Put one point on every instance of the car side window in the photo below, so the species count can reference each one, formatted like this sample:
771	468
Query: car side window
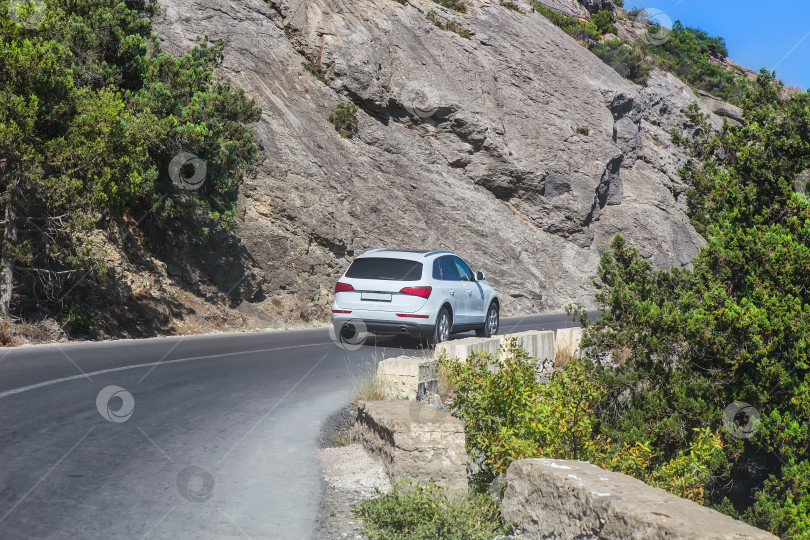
447	269
464	272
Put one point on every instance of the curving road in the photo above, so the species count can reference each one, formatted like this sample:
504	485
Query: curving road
185	437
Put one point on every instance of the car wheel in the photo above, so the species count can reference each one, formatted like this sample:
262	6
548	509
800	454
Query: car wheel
441	332
491	323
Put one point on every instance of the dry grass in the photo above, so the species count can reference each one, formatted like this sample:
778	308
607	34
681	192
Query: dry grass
447	388
6	339
368	386
309	311
562	358
304	310
341	440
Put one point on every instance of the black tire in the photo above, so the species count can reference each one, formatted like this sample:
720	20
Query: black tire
440	334
490	328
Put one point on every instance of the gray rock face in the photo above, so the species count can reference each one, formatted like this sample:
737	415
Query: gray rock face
551	498
598	5
571	8
722	109
517	148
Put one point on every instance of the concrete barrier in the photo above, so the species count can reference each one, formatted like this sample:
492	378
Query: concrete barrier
549	498
460	349
415	441
568	345
408	377
538	343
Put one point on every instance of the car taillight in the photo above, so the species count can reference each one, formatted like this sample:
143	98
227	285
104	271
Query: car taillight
412	315
424	292
344	311
343	287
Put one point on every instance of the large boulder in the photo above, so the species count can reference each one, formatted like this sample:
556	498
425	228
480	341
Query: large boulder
550	498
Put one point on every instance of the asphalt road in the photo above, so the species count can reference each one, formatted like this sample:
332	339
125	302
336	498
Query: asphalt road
188	437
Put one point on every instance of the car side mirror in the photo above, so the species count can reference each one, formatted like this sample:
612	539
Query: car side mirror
480	276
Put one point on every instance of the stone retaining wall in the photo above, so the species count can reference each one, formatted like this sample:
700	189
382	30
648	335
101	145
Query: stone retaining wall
415	441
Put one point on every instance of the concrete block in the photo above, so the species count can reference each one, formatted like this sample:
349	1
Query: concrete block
414	440
549	498
408	377
568	345
538	343
460	349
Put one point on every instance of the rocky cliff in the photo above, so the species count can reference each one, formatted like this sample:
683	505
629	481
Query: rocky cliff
517	147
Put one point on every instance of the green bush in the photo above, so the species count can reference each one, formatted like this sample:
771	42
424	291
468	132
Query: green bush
604	22
316	70
734	327
344	118
509	415
581	30
688	52
420	512
451	26
454	26
625	58
78	322
455	5
783	503
92	113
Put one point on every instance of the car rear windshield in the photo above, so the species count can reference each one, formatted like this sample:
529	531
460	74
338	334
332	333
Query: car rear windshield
388	269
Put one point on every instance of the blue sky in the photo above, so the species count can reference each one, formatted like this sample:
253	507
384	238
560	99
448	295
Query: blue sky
758	34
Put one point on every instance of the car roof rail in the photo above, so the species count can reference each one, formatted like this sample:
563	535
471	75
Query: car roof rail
437	252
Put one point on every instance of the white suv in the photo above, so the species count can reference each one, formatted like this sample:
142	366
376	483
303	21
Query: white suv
417	293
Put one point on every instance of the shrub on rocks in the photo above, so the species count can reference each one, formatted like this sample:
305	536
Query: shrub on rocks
510	415
344	118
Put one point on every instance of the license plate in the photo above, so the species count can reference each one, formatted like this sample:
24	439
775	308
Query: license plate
376	297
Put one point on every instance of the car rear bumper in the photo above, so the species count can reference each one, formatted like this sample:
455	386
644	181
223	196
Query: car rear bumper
405	326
